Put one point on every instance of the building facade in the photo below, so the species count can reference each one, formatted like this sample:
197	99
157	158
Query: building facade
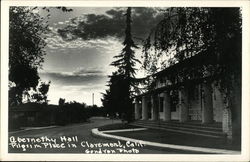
187	98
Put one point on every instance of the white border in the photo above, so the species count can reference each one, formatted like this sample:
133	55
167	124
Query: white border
121	157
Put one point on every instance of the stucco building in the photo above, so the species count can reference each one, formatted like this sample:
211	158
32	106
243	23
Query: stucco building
189	95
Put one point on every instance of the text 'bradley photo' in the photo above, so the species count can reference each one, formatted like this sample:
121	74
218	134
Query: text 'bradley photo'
124	80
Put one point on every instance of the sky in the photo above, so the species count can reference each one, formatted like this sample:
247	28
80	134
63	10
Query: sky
80	47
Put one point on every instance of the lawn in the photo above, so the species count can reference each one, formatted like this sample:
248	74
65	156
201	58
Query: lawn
117	126
169	137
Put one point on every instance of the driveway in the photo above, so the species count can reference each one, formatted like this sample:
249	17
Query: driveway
75	138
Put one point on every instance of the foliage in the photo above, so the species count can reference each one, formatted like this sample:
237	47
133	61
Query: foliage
61	102
40	96
72	112
37	114
126	59
65	9
27	35
94	111
114	98
31	114
184	32
123	80
75	112
26	43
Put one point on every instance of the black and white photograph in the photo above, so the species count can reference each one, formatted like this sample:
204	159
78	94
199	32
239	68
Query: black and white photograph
127	80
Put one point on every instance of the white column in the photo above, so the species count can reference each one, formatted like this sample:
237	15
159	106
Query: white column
137	110
154	108
227	123
183	105
144	108
227	120
166	107
207	103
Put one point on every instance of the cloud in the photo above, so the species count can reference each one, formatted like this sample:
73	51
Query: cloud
63	78
61	23
94	26
96	87
75	93
75	87
55	41
89	70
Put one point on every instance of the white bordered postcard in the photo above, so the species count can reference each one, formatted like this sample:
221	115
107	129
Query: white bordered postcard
125	80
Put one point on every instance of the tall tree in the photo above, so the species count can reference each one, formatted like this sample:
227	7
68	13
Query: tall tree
26	43
126	59
27	35
123	80
184	32
114	98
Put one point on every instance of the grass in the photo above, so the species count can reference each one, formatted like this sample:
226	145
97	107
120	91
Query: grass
117	126
169	137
